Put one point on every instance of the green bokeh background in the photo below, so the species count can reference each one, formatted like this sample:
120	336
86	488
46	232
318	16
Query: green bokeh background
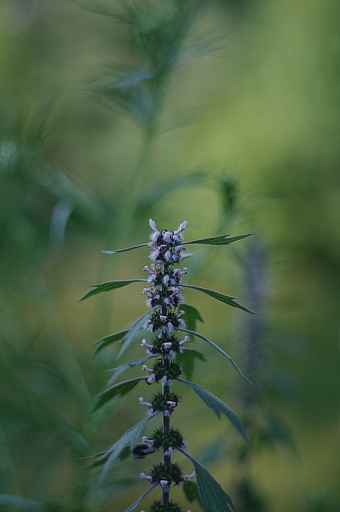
260	110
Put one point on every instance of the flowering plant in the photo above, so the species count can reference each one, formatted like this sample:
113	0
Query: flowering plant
170	334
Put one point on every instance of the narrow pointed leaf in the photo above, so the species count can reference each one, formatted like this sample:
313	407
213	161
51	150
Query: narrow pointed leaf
126	366
100	457
110	285
219	296
213	496
130	438
130	335
118	389
218	407
125	249
220	350
134	506
108	340
218	240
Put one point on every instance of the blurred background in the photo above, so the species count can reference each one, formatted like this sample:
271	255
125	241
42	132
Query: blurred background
222	113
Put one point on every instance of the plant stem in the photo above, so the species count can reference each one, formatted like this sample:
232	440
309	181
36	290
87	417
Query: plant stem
166	457
166	395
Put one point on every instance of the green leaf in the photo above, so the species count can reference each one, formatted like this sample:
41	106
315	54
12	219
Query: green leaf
21	503
110	285
193	333
130	335
111	338
191	492
192	315
134	506
219	296
118	389
130	438
213	497
126	366
126	249
218	407
187	360
218	240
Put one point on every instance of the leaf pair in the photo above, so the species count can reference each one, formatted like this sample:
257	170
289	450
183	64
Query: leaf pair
213	240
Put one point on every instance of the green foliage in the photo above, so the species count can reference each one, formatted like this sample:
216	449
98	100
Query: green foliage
218	407
110	285
111	338
130	438
187	359
192	315
213	497
218	240
219	349
191	492
165	321
130	335
219	296
118	389
126	366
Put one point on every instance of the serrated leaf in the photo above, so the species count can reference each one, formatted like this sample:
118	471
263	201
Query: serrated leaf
110	285
191	492
126	366
118	389
192	315
130	438
198	335
187	360
213	496
218	240
108	340
126	249
219	296
218	407
130	335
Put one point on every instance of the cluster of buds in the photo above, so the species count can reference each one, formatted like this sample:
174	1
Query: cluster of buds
164	296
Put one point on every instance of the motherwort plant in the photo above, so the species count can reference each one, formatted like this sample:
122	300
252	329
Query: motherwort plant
169	324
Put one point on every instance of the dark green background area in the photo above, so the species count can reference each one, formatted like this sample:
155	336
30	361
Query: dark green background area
247	140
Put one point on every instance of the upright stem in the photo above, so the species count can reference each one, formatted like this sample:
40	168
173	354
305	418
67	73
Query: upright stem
166	457
166	395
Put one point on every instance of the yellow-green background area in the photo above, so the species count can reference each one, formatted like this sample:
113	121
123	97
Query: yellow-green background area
261	110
